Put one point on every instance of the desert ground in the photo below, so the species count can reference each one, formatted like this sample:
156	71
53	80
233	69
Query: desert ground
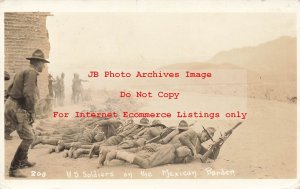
263	147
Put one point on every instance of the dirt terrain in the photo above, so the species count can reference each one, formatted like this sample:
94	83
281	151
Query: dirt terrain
264	146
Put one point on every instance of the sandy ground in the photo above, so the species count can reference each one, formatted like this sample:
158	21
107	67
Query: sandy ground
264	146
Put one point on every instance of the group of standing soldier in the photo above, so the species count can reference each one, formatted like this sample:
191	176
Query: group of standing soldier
56	89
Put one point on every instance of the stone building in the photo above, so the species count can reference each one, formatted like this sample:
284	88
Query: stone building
24	33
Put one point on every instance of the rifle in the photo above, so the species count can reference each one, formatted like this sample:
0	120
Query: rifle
121	127
162	135
214	149
165	133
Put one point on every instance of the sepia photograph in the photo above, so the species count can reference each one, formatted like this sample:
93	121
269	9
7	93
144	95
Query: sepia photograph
148	95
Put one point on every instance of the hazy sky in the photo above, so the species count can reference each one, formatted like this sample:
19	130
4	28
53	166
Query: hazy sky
87	41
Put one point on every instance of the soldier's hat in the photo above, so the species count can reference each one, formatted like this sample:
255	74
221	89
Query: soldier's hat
38	55
129	121
183	125
100	136
157	123
144	122
211	131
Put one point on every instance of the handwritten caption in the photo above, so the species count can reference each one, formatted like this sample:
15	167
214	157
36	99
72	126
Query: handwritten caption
148	174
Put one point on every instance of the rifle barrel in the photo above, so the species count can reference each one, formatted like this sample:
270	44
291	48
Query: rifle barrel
238	124
233	128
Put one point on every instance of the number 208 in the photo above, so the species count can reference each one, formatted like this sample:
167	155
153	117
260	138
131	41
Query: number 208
38	174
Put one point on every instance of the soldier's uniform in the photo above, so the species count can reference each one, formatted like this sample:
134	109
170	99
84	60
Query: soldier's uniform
109	127
19	110
62	90
144	135
112	142
50	85
68	131
77	88
85	137
136	144
181	148
115	140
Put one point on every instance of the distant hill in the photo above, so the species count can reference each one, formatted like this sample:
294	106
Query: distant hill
271	68
274	59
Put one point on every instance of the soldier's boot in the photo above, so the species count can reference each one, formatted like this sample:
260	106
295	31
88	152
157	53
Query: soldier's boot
70	152
51	150
16	173
94	150
102	157
142	162
79	152
26	163
60	146
65	154
36	141
23	162
126	156
110	156
20	155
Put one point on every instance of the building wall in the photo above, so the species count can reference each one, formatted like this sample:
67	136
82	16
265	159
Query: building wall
24	33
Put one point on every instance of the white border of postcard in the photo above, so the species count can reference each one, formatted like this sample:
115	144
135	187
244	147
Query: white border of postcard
291	6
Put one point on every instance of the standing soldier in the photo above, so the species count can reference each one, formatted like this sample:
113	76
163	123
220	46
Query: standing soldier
19	110
56	87
50	85
62	89
77	88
